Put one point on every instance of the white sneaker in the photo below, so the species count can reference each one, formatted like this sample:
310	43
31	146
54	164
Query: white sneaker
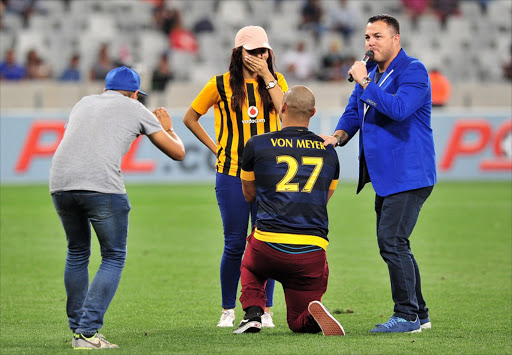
95	342
266	320
77	336
227	319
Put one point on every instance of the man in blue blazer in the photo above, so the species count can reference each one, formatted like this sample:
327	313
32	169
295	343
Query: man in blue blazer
391	108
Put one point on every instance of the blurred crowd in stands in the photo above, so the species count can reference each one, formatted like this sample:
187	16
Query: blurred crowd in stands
300	61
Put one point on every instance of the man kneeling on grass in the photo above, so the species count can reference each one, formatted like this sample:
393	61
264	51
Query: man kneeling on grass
291	175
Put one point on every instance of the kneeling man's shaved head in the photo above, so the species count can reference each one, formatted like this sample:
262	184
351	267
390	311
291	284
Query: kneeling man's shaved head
300	102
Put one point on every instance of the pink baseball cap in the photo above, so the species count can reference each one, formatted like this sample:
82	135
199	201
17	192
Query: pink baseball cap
252	37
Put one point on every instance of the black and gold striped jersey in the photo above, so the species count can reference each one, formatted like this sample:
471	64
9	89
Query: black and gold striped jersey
233	129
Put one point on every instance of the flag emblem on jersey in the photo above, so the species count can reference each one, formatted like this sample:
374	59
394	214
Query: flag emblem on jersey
253	111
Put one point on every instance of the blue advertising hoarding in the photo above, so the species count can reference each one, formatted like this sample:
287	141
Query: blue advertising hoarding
470	145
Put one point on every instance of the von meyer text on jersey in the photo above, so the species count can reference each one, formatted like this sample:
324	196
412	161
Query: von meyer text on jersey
300	143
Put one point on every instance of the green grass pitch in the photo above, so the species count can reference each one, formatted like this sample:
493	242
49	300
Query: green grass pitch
168	301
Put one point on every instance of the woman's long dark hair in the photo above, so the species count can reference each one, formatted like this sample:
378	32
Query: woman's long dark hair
236	81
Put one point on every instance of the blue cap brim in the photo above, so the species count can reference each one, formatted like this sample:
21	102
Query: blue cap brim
143	93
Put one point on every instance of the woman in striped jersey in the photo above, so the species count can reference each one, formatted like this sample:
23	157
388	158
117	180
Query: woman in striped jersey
245	100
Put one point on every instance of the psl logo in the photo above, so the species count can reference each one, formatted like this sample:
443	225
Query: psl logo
37	147
483	136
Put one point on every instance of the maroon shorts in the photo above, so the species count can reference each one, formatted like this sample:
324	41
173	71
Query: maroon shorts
303	276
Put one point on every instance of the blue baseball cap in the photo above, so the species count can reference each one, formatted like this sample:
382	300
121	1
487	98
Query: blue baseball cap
123	78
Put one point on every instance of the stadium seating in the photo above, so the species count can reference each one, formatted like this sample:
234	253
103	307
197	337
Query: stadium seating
473	46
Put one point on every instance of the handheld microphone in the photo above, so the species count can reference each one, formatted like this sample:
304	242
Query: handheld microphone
367	56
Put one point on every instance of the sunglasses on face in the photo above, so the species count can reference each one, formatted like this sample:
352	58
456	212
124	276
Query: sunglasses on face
257	51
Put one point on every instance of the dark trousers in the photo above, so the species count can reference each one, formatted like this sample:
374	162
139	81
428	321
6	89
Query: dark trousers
235	212
303	276
396	217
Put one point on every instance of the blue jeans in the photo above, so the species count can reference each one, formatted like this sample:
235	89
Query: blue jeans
396	217
108	214
234	211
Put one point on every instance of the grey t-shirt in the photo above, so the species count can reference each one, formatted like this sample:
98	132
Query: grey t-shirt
98	134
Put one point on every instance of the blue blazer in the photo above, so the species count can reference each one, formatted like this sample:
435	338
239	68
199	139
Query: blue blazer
395	131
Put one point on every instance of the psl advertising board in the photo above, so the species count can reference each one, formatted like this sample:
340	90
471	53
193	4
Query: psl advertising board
470	145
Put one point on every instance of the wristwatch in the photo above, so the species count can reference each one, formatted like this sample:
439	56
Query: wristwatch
366	80
271	85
